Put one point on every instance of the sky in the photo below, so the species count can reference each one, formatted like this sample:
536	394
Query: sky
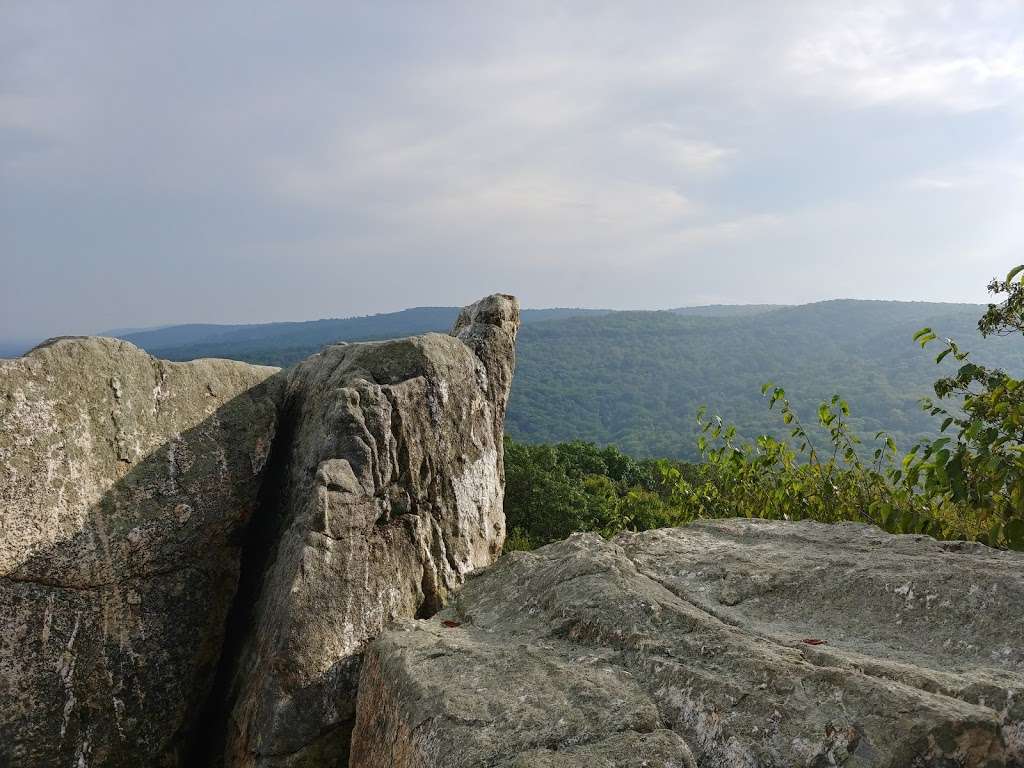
168	162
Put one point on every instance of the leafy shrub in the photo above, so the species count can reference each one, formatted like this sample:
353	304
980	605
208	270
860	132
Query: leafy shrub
966	485
980	465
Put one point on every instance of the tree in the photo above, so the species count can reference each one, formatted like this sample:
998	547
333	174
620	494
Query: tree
980	462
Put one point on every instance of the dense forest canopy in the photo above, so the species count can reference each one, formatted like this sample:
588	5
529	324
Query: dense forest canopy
965	481
636	379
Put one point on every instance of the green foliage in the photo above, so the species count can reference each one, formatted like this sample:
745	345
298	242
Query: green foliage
555	490
796	478
552	491
636	379
966	484
979	463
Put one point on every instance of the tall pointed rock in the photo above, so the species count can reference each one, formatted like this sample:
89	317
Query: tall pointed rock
392	494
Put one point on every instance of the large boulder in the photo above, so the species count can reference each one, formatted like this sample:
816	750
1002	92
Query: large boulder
392	494
727	644
125	483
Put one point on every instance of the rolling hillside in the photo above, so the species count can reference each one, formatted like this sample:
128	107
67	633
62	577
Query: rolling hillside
636	379
287	343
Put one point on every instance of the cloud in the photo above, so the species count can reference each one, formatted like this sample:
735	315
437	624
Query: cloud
249	162
956	56
670	144
931	182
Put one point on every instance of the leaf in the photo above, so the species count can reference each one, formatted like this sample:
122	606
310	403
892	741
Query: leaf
1013	532
813	641
969	370
1014	272
908	521
993	532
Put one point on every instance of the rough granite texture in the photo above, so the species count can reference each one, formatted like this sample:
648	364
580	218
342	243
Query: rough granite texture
392	495
124	484
128	486
695	640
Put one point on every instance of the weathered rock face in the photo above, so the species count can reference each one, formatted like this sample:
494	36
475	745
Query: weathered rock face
127	485
695	640
434	696
124	484
392	494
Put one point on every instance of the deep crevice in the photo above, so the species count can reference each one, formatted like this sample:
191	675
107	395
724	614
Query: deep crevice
206	747
432	602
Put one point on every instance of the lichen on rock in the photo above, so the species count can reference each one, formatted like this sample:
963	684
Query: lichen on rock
392	495
364	484
755	643
125	483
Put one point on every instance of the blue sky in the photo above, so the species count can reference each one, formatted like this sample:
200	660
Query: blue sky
256	161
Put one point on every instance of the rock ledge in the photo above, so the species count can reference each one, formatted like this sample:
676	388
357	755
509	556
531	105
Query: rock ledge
745	644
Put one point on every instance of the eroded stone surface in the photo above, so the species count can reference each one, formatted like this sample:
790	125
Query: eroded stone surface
917	656
124	484
433	696
393	494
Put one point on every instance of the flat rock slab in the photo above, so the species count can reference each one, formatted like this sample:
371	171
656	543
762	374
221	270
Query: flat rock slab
433	695
740	643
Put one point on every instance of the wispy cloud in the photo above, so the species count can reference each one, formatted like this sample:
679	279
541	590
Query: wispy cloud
957	56
258	162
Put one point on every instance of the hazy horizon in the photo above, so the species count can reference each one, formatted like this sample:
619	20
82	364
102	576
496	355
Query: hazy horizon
8	343
134	329
246	163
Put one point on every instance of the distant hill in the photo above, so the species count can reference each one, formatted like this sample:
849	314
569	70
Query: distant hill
636	379
728	310
14	348
176	335
287	343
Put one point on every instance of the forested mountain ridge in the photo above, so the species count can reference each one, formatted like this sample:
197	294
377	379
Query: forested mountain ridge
728	310
636	379
288	343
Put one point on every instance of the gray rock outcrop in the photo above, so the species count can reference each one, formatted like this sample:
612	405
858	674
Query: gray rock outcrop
391	496
199	562
726	644
125	483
